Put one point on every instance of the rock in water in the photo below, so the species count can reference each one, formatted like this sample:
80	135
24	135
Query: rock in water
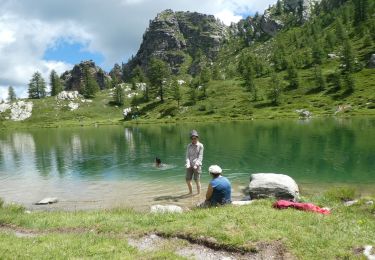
47	201
166	209
280	186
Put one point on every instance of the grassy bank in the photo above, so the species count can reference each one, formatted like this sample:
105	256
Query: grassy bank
225	100
104	233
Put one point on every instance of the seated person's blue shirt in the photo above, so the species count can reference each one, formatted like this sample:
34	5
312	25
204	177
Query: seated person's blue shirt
221	191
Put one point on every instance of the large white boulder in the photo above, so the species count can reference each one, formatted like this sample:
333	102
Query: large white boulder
68	95
21	110
280	186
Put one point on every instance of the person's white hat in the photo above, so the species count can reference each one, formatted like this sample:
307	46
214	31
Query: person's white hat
215	169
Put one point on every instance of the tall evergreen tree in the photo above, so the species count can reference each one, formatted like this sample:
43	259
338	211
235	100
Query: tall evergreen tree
204	78
118	94
11	94
347	56
37	86
361	8
320	81
56	85
292	75
157	73
317	53
336	80
349	83
90	86
138	74
279	7
274	89
341	33
176	91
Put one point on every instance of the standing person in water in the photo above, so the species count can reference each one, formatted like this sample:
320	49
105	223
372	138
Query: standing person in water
194	158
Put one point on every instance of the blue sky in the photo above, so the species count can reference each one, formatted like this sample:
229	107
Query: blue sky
42	35
73	53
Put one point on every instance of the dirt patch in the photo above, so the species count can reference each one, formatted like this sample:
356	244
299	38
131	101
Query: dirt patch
209	248
18	232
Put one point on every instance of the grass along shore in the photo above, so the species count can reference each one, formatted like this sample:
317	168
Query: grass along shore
246	231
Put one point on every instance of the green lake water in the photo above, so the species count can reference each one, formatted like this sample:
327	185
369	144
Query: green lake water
112	166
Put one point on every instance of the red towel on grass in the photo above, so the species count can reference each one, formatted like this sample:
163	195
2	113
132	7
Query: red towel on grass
283	204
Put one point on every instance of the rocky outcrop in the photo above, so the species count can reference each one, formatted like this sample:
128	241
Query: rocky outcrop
295	6
68	95
19	111
280	186
176	37
371	63
270	25
267	25
73	79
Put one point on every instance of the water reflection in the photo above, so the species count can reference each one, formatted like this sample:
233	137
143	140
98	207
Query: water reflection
317	151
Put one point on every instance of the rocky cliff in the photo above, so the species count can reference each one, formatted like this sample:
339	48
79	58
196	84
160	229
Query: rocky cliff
178	37
73	79
274	19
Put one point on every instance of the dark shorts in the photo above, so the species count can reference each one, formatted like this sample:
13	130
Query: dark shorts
190	172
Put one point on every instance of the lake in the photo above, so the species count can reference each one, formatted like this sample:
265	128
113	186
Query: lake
112	166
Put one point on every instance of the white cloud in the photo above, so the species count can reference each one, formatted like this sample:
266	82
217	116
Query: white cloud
112	28
228	17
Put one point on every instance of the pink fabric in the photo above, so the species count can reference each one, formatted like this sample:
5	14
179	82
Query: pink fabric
283	204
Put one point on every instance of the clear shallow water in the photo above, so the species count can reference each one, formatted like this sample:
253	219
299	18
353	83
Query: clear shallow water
113	166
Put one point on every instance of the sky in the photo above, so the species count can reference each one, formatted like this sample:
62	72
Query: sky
41	35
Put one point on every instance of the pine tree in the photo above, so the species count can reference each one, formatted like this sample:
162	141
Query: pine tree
118	94
176	92
11	94
139	75
292	76
341	33
367	40
204	78
330	40
157	72
349	83
90	86
348	57
274	89
279	8
336	80
319	79
56	85
317	53
361	8
37	86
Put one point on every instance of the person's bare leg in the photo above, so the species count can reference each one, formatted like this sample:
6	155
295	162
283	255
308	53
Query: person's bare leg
198	183
189	186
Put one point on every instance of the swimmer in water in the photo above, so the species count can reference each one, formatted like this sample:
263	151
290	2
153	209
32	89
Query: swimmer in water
157	162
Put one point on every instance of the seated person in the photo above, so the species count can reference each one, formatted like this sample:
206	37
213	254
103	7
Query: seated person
219	190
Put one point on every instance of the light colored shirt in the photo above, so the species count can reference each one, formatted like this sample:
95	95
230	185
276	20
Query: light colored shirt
194	155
